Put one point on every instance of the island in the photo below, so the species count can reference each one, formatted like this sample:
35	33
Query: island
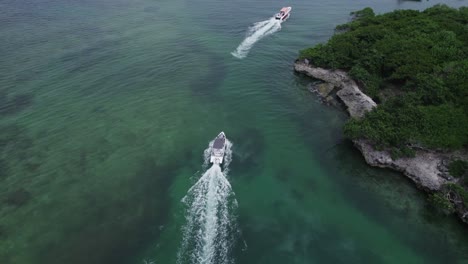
403	77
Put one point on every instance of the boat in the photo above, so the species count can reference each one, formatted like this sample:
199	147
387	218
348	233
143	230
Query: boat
218	149
283	13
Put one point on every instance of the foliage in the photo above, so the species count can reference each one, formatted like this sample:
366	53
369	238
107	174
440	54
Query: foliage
424	56
442	203
458	168
458	191
451	194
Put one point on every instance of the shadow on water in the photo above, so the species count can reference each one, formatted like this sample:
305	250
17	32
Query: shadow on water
115	230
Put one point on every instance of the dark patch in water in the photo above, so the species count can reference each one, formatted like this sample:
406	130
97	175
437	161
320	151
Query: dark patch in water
14	143
151	9
192	157
278	204
3	232
282	175
248	152
12	105
26	75
310	184
3	169
115	229
209	82
18	198
99	110
297	195
85	59
32	167
287	236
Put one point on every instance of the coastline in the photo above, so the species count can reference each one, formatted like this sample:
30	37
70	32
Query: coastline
427	169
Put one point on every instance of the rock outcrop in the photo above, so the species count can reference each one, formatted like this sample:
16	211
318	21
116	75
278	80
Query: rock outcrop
423	169
356	101
426	168
324	89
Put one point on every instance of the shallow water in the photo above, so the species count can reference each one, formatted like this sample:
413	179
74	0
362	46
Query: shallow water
107	106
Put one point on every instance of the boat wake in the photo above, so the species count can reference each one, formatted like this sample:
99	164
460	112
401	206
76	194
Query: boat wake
255	33
210	230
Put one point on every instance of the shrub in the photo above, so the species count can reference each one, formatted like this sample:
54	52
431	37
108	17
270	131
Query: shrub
441	202
423	54
458	168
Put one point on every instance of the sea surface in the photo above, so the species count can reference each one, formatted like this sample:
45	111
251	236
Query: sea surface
107	110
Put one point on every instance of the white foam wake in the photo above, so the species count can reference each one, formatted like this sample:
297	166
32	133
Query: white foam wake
255	33
210	230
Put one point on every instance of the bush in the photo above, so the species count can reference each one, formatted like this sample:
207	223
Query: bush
458	168
423	55
459	192
441	202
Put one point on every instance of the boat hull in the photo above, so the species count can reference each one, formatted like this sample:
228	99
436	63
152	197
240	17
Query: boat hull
217	160
284	14
218	149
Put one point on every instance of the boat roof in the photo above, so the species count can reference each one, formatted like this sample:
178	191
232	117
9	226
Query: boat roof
285	9
219	143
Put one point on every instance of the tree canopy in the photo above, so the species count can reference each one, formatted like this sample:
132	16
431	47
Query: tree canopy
415	65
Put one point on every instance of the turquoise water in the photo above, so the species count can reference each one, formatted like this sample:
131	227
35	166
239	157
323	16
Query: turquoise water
106	109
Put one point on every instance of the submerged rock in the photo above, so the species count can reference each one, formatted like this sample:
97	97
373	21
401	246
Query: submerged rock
324	89
18	198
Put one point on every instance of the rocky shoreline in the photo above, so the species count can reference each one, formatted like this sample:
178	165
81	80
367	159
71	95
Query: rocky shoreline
427	169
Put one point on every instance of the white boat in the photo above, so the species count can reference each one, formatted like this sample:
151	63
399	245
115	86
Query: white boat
283	13
218	149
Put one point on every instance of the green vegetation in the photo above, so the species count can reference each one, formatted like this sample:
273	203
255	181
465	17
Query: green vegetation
459	194
415	65
458	168
442	203
451	194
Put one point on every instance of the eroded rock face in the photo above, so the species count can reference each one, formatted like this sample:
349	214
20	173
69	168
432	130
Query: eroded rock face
336	78
356	101
422	169
427	169
324	89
